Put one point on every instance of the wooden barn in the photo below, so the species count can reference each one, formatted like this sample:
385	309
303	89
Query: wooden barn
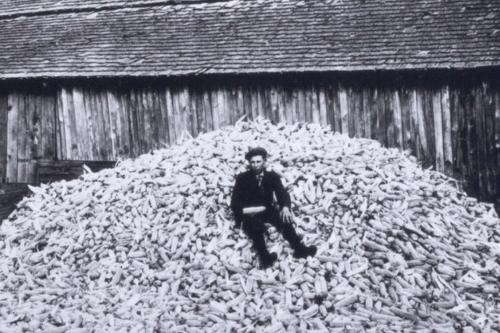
101	80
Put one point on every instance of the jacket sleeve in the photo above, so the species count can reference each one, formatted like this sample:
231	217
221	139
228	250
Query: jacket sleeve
237	200
281	193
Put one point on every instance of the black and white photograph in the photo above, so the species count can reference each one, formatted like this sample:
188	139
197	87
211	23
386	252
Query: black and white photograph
249	166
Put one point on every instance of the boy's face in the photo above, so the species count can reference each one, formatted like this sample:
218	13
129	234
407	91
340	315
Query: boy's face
257	163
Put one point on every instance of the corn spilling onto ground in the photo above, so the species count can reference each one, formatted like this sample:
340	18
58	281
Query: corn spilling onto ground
150	246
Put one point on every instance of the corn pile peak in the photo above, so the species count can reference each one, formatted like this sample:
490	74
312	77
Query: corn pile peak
151	246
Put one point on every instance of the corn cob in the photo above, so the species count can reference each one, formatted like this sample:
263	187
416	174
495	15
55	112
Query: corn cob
400	235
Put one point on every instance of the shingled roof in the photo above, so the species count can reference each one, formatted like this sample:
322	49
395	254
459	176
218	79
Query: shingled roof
156	38
12	8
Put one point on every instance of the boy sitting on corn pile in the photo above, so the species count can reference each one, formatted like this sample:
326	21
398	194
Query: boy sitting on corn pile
252	204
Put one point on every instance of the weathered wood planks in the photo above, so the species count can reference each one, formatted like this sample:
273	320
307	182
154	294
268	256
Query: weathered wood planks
12	136
496	142
3	135
344	110
452	127
492	172
48	128
447	145
438	129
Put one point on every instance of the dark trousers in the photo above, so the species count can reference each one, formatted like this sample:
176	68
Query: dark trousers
254	228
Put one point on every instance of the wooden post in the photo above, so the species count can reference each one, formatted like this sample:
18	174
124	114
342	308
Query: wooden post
133	123
491	156
49	125
307	105
199	112
207	106
398	122
12	135
366	113
382	117
114	124
158	118
185	110
463	123
281	105
124	124
65	122
288	106
144	126
497	139
418	115
357	111
408	134
274	114
82	128
172	136
315	108
194	112
480	142
472	186
28	152
295	106
4	111
153	102
352	116
428	107
390	118
344	111
102	118
240	103
438	130
221	108
73	127
254	102
374	120
230	105
106	143
323	113
260	108
455	133
88	105
163	119
23	134
35	121
178	122
447	145
215	109
59	127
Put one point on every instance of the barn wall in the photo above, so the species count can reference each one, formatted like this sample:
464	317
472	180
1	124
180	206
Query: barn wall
450	121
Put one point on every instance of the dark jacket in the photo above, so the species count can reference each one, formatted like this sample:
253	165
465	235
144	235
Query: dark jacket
247	193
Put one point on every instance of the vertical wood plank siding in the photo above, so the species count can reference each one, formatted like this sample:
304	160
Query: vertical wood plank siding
4	110
27	133
451	126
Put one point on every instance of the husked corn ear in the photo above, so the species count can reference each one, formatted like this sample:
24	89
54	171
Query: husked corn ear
311	311
347	300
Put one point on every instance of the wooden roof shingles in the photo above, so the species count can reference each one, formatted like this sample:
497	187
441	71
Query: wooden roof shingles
14	8
253	36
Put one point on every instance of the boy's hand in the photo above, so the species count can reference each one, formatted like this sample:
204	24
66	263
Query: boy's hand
286	215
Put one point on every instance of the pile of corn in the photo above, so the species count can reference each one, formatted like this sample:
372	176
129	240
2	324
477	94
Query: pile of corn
150	246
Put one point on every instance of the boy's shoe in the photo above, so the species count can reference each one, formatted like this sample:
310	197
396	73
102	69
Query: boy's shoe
303	251
268	259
